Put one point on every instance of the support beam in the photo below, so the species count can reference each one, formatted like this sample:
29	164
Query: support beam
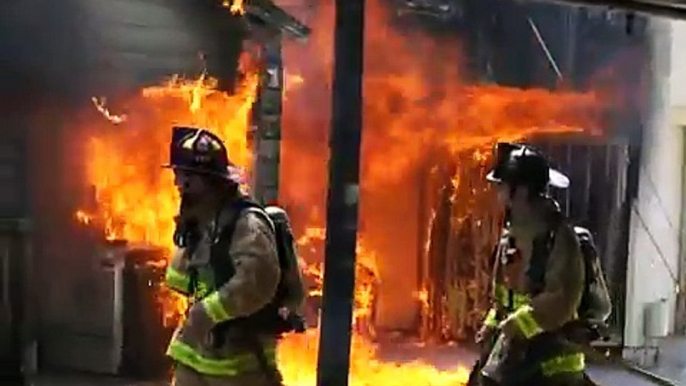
268	13
267	119
343	196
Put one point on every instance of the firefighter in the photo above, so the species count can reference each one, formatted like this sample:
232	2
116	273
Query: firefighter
538	279
205	354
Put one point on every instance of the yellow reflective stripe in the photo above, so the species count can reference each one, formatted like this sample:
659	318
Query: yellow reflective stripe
526	322
573	363
201	290
521	300
185	354
214	308
502	295
491	320
177	280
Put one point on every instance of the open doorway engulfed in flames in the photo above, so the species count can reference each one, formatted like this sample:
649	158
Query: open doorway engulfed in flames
460	215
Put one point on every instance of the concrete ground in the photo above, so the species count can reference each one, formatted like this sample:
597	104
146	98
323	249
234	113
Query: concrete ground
446	357
441	358
602	375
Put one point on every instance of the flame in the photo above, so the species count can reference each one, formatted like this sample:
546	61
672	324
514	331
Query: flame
291	84
235	6
136	198
366	277
297	357
99	104
83	217
419	115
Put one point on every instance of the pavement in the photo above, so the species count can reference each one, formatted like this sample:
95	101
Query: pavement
446	357
441	357
602	375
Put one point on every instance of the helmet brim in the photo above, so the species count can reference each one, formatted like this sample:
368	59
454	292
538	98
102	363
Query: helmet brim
490	177
232	174
555	179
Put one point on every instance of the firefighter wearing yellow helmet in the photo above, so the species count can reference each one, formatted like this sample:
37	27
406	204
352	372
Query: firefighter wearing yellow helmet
538	279
226	261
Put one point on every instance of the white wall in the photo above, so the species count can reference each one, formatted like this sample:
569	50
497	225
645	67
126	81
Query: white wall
655	220
678	73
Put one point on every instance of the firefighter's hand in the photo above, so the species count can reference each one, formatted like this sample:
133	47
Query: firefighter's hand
510	329
198	323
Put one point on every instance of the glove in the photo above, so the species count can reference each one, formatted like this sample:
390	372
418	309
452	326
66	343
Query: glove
198	324
510	329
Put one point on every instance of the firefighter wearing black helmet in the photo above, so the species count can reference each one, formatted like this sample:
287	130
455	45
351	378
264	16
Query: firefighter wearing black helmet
534	299
203	353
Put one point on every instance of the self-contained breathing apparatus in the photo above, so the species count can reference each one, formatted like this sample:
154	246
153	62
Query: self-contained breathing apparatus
270	320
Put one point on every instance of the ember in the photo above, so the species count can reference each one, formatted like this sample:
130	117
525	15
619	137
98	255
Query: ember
235	6
99	104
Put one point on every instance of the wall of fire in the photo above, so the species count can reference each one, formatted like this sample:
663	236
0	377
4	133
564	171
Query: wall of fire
56	57
590	49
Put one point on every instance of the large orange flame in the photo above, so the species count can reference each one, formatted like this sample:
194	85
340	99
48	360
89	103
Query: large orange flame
419	112
136	196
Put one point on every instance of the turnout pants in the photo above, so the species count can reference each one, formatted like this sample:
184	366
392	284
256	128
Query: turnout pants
186	376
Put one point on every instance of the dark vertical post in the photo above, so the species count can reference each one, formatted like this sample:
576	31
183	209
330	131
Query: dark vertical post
343	194
267	119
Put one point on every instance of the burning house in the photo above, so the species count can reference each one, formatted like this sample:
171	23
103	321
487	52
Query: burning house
93	100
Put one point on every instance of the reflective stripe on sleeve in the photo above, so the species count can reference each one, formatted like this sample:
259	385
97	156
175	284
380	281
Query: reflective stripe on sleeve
232	366
502	295
177	280
491	320
215	309
526	322
573	363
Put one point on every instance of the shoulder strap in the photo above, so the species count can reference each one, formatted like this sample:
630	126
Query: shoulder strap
542	248
226	221
229	216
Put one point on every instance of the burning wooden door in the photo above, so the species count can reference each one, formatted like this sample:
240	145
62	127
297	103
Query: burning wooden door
461	218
